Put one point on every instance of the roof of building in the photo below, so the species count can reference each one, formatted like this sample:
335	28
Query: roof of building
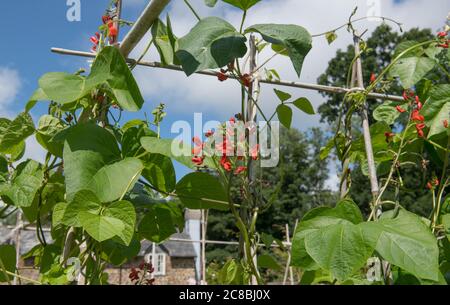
28	240
170	247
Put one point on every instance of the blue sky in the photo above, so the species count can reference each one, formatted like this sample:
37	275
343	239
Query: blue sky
30	28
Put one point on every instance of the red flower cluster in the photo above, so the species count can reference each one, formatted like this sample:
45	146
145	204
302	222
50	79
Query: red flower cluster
135	274
418	118
225	148
373	78
95	41
197	151
432	184
246	80
389	136
112	28
222	75
444	42
400	109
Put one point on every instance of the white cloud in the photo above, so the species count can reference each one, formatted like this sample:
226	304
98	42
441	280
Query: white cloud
10	85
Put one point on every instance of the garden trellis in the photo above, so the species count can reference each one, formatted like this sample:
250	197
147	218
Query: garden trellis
151	14
104	214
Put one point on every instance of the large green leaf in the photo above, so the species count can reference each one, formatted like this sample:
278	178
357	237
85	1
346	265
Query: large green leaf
111	182
437	109
12	133
92	161
157	225
7	261
63	87
83	201
386	112
24	184
212	43
124	211
202	191
163	43
341	248
412	69
295	39
405	241
101	227
118	254
242	4
346	211
110	67
100	221
159	171
48	127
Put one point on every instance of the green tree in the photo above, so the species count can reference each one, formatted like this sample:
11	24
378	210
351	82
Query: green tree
381	46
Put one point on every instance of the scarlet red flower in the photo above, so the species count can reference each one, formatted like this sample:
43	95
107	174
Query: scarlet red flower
436	182
442	34
445	123
113	31
197	141
222	76
246	80
198	160
254	152
105	19
232	120
209	133
94	40
389	136
240	169
429	186
400	109
134	274
419	128
94	49
443	45
226	164
419	103
416	116
373	78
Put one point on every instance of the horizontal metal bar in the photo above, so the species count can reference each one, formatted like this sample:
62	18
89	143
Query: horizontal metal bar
142	25
315	87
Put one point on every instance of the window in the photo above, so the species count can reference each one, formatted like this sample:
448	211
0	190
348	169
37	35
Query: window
160	263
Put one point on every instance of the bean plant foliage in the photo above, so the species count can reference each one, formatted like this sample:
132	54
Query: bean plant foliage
102	181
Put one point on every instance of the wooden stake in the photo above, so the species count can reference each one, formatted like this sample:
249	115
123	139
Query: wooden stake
19	225
366	128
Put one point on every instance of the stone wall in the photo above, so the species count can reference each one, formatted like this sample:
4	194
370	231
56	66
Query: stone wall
179	271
